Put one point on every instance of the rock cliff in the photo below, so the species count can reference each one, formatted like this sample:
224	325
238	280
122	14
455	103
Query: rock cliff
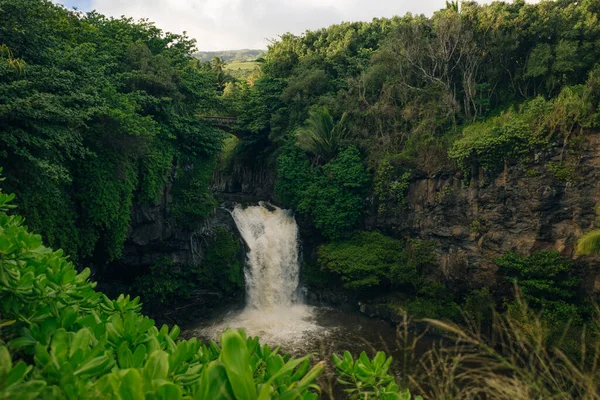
530	206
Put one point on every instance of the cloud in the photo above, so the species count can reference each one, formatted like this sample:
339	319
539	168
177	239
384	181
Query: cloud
236	24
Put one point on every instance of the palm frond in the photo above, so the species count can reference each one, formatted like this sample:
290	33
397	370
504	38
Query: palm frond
321	136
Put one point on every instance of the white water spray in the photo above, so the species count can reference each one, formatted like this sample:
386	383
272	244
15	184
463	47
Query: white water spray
272	273
273	311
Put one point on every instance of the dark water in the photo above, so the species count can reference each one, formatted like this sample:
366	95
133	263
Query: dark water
320	331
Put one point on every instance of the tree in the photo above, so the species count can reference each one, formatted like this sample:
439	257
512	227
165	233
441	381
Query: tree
103	113
320	136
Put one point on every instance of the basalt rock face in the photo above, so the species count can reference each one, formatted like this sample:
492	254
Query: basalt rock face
244	184
521	209
154	234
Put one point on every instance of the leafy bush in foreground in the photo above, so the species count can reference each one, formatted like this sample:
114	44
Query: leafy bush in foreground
367	378
75	343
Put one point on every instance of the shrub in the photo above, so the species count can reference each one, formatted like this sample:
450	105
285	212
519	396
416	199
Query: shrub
367	378
419	257
192	199
220	269
490	143
221	266
78	344
561	171
547	282
165	281
366	260
538	123
423	307
479	306
391	186
432	300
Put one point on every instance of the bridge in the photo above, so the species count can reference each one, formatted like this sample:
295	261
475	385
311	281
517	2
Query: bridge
225	123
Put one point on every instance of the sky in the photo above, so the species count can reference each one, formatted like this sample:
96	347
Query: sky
243	24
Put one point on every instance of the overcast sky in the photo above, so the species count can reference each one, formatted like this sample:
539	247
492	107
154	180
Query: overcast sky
239	24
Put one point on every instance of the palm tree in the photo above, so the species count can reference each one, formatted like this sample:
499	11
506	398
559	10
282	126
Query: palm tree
218	64
452	5
321	136
218	67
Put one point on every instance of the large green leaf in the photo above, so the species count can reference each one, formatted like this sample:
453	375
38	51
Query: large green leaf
236	359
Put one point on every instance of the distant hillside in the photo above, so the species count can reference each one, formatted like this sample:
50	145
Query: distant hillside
230	55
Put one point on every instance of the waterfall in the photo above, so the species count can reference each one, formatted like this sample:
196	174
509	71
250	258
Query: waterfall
272	271
273	311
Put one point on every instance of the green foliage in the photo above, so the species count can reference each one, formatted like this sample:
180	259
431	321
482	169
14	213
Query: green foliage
321	137
589	243
390	186
336	199
432	300
425	307
97	118
192	199
418	259
220	269
155	168
294	176
165	281
479	306
105	196
406	98
366	260
78	344
313	276
561	171
332	195
515	134
492	142
12	379
547	282
369	378
478	225
221	266
370	261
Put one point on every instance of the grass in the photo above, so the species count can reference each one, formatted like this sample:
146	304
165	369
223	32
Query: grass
514	357
241	69
243	65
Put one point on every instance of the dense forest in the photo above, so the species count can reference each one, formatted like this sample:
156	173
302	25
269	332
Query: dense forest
101	115
348	116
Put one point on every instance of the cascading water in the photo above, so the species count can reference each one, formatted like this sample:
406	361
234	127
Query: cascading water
272	272
273	311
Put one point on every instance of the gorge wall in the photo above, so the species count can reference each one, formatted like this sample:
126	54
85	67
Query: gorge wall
154	233
525	208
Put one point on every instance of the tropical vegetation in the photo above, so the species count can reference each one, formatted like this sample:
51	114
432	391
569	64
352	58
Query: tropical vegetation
103	116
